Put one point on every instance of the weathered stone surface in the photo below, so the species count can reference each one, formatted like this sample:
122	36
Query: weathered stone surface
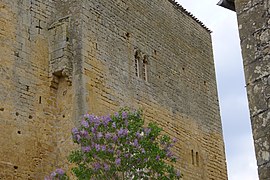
61	59
254	25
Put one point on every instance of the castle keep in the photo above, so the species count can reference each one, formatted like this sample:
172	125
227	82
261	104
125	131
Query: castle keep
63	58
254	29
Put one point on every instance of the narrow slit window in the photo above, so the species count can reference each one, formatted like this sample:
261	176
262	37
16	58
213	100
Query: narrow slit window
144	69
197	158
136	66
192	156
137	63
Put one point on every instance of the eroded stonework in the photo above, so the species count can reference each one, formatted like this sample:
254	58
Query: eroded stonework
254	27
254	24
61	59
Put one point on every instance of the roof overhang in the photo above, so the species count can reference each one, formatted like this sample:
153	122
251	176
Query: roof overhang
229	4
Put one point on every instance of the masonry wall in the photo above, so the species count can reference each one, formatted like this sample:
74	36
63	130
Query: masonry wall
61	59
254	24
26	117
38	101
180	93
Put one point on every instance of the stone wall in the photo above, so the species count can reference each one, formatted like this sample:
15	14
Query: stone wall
37	100
62	59
27	103
180	86
254	28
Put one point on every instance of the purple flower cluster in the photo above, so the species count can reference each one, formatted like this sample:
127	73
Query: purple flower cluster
147	131
96	166
103	148
76	135
98	147
99	166
86	149
92	130
138	135
124	115
58	173
143	150
85	124
118	161
122	132
99	135
91	120
106	120
114	138
167	148
127	155
178	173
106	167
84	133
169	154
108	136
136	143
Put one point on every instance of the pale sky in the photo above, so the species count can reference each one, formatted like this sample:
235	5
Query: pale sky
240	155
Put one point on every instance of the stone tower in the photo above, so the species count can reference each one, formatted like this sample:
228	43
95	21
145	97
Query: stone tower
63	58
254	28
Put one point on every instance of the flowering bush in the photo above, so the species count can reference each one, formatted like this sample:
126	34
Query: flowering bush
120	147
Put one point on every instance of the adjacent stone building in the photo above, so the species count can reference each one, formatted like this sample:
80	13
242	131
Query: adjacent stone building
254	29
63	58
